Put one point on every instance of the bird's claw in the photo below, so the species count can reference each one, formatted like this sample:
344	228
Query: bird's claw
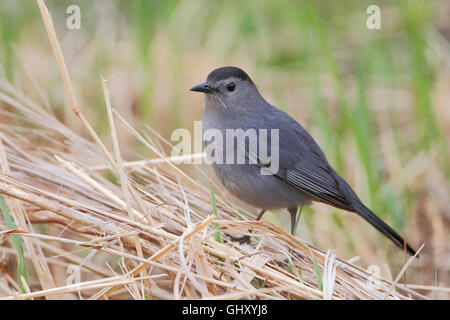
241	240
282	264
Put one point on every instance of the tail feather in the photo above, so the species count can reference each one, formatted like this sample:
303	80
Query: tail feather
370	217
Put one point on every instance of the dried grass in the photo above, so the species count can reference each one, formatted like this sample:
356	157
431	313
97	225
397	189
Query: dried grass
154	227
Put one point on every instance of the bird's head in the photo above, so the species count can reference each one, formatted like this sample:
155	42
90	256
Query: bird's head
229	87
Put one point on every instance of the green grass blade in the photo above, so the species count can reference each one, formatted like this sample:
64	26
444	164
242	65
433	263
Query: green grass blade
299	213
217	235
316	269
22	268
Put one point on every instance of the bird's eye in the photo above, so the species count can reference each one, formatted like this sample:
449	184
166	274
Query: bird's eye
231	86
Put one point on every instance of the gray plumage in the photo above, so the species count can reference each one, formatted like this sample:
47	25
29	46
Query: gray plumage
304	173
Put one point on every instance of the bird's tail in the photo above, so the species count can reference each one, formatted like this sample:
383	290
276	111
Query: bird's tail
369	216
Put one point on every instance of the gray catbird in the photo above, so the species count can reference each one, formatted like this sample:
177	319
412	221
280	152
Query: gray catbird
232	101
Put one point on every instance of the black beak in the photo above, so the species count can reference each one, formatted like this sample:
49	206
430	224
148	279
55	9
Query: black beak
203	87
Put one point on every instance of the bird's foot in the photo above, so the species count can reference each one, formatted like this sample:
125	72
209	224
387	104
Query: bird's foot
283	264
241	240
287	262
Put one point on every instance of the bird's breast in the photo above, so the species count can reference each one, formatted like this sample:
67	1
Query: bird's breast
262	191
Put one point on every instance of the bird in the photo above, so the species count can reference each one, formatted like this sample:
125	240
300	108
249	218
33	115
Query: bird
303	174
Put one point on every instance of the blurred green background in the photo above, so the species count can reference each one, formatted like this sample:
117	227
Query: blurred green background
376	101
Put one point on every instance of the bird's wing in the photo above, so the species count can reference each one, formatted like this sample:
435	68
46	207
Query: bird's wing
316	185
303	165
310	173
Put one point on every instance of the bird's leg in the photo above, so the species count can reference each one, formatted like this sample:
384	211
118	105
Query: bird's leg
246	238
293	213
294	222
260	215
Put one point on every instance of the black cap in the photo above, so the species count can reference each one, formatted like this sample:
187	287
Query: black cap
226	73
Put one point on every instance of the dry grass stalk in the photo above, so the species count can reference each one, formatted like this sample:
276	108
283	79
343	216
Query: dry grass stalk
90	211
17	211
157	221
